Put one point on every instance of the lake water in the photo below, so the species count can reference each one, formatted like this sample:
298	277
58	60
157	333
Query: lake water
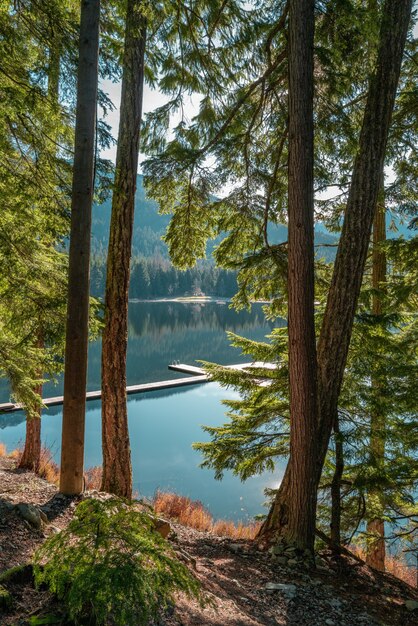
164	424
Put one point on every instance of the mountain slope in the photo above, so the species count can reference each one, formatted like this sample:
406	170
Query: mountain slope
150	226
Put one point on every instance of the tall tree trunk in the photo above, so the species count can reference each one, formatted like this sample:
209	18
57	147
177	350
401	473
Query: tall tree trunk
375	556
294	510
300	524
117	470
361	204
365	185
75	374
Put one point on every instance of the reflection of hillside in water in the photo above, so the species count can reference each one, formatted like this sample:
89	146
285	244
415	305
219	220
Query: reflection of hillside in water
161	332
156	319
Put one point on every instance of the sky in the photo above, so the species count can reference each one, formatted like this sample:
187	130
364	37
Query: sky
152	99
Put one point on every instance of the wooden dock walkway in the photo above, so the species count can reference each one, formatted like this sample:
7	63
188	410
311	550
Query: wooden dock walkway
199	371
196	376
8	407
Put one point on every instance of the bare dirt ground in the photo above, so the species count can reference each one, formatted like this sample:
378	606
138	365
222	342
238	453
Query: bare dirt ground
245	586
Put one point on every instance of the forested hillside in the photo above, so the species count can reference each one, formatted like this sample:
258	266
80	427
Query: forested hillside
150	226
153	275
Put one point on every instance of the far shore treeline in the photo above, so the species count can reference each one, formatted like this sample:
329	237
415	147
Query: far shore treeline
156	277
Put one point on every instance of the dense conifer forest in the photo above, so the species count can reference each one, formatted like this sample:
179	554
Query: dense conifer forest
262	152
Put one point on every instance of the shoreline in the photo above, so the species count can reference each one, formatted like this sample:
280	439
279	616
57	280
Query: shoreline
193	300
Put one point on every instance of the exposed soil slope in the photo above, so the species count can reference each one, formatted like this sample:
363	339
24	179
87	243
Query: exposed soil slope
246	586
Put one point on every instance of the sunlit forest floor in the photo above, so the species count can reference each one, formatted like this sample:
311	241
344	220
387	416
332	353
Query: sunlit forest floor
245	586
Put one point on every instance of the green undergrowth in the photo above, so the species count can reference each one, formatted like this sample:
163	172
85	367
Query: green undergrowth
110	566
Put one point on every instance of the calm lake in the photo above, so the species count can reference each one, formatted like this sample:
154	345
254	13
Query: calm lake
164	424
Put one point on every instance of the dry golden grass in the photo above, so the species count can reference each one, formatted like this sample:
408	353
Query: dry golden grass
395	564
3	450
224	528
48	469
93	477
15	454
399	568
193	513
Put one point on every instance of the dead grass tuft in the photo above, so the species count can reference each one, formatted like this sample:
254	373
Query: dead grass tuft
15	454
93	477
194	514
3	450
48	469
395	564
399	568
224	528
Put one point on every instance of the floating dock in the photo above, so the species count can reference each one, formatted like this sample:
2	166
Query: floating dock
196	376
8	407
199	371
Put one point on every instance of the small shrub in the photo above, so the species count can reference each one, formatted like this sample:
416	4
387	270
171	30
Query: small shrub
3	450
110	565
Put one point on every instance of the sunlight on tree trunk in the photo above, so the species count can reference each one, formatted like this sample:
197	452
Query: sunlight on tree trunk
300	524
31	457
117	470
75	375
349	266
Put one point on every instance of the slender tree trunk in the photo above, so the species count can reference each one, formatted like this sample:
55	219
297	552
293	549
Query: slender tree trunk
336	486
117	471
31	457
300	525
75	375
376	527
294	510
361	206
354	241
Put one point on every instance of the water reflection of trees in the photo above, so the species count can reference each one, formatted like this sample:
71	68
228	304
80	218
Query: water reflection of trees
155	319
161	332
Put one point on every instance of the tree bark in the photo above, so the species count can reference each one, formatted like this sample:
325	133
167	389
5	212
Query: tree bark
31	456
117	471
361	207
375	556
75	374
300	522
365	185
366	181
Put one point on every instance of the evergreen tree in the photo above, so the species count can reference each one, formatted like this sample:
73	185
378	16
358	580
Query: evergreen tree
236	130
35	136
